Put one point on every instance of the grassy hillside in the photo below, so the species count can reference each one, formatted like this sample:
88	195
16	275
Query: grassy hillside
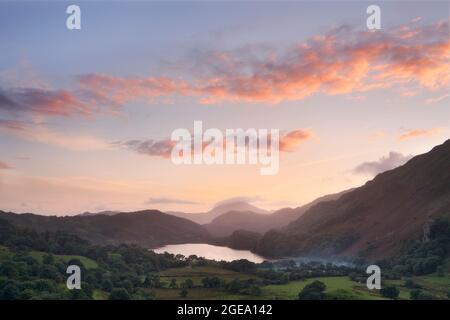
87	263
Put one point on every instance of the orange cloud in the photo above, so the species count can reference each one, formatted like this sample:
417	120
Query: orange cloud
339	62
290	141
343	61
419	133
118	90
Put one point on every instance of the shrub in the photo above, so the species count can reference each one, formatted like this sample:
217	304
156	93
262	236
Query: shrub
390	292
119	294
313	291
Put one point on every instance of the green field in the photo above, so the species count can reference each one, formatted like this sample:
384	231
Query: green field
88	263
436	285
196	274
340	287
336	287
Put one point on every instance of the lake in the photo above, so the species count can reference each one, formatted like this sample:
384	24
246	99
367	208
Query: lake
210	252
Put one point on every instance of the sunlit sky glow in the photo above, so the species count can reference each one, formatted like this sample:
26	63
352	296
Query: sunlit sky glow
351	103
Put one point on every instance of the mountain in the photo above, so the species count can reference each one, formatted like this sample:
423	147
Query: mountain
221	208
375	220
226	223
105	213
283	217
149	228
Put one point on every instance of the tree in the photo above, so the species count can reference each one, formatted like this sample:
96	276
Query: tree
9	292
107	285
152	281
418	294
76	294
9	270
140	294
173	284
255	290
126	284
188	284
119	294
211	282
76	262
409	283
241	265
183	293
48	259
390	292
49	271
88	290
313	291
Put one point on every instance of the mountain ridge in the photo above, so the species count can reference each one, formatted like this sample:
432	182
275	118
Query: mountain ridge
228	222
376	219
148	228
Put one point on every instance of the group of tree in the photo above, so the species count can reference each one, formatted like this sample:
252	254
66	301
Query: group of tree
32	267
424	256
313	291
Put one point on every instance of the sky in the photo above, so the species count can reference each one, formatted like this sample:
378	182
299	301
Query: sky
86	115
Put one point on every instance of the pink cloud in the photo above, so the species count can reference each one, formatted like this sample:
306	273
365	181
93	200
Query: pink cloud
12	125
4	166
291	140
436	99
341	61
37	132
163	148
419	133
42	102
119	90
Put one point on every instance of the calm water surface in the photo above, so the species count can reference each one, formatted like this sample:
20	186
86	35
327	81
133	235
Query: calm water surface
210	252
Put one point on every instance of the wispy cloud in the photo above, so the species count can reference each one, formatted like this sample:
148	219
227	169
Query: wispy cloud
42	102
169	201
417	133
393	160
116	90
38	132
436	99
162	148
378	135
5	166
236	200
12	125
289	142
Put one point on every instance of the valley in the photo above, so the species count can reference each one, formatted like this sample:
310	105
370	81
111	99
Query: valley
400	221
